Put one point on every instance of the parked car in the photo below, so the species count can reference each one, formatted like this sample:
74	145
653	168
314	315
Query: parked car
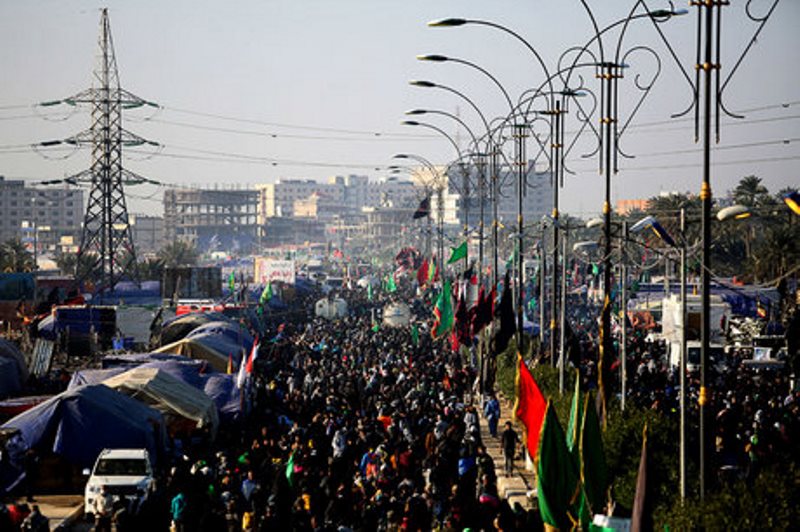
126	473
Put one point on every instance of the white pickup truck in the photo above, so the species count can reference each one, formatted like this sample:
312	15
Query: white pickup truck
126	473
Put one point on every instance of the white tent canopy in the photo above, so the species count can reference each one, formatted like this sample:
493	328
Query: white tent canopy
167	394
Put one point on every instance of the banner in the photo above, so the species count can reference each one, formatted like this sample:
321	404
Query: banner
270	270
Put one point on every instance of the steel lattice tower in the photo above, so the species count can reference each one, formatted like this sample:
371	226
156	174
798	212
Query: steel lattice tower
106	235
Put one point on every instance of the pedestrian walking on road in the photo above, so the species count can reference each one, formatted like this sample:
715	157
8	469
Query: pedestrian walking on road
36	522
178	511
492	412
508	444
103	508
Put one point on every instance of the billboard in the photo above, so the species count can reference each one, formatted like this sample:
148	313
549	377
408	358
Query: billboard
192	282
270	270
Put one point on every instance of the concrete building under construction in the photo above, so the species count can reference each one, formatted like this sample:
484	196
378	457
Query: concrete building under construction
213	219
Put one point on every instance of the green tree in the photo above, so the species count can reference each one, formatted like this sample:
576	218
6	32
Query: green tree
14	257
151	268
776	252
750	192
69	264
178	253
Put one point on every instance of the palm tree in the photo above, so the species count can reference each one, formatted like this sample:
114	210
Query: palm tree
666	209
68	264
178	253
750	192
14	257
777	253
152	268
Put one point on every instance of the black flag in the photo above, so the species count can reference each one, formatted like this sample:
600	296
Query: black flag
508	325
424	208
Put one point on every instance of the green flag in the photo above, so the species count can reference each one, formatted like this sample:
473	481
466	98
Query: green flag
512	259
575	420
391	286
415	335
266	294
369	291
594	472
231	282
443	312
458	253
290	470
557	476
432	271
376	326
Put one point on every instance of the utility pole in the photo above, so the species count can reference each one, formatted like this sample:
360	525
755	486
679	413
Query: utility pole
624	311
107	237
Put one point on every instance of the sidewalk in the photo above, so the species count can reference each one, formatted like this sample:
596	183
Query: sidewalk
516	487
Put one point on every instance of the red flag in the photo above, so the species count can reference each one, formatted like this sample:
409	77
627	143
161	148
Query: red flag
253	354
422	273
461	330
529	407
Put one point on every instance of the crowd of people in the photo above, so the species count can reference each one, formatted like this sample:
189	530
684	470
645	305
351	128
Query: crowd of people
355	426
756	420
350	426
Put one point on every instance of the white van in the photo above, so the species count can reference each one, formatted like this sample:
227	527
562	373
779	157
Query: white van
126	474
716	354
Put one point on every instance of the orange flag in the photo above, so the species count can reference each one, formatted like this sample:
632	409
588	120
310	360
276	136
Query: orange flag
529	407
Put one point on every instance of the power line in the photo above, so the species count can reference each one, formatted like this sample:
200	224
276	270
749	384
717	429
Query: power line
723	148
285	135
287	126
698	165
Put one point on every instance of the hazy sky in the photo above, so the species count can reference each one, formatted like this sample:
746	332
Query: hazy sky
337	71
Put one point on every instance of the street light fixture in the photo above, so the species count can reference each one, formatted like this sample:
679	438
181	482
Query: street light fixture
594	222
738	212
792	200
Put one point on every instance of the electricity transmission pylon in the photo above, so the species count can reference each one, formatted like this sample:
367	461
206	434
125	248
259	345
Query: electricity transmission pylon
106	237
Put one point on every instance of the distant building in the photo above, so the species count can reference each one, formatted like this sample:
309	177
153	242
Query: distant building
52	215
277	199
355	191
385	224
148	233
282	231
212	219
628	206
394	192
340	196
537	200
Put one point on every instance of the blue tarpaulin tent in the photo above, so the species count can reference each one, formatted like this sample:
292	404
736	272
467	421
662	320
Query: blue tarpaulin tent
225	331
78	424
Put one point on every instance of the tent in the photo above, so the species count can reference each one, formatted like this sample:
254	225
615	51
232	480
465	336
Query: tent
221	388
200	349
167	394
178	327
13	371
230	331
78	424
214	342
131	360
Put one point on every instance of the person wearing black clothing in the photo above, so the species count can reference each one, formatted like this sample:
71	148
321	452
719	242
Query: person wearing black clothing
509	440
